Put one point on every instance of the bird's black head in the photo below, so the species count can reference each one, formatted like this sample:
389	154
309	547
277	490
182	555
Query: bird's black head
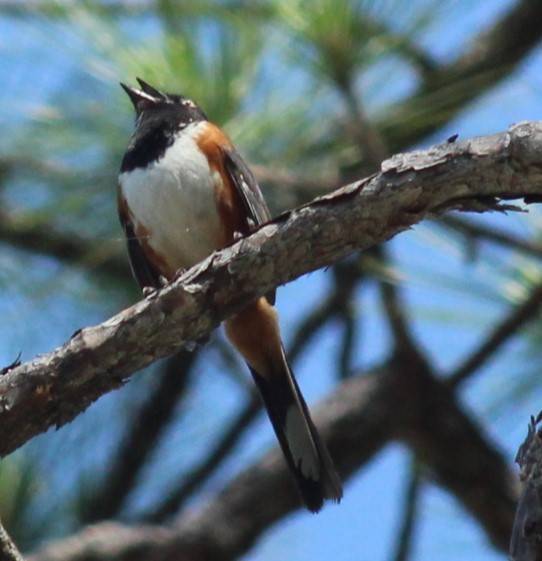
160	116
151	103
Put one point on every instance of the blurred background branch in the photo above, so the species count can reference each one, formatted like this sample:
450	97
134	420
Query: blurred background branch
428	348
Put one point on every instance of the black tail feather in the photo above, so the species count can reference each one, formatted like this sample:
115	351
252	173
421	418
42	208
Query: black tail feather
305	452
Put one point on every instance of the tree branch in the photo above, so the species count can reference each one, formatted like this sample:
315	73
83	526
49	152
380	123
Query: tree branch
407	530
8	550
214	457
103	258
141	440
472	175
232	521
522	314
446	91
362	415
475	232
526	540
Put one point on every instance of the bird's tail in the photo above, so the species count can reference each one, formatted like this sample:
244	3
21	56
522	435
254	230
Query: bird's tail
305	452
255	334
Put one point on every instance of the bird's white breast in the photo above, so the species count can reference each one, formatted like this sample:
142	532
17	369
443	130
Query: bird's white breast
173	199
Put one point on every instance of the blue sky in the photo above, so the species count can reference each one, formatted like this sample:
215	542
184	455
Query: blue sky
364	525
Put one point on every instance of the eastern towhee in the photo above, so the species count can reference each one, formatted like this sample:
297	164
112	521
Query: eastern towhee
184	192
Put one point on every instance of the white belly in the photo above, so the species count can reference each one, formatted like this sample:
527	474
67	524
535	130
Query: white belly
172	202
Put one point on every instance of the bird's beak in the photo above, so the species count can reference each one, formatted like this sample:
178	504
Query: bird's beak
146	96
148	89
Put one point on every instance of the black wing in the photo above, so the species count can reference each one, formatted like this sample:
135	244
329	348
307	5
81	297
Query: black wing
142	269
248	189
250	195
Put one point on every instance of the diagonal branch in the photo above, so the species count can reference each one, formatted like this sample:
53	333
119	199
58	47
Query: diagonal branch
356	424
141	440
218	452
474	232
358	420
521	315
492	56
69	248
407	530
53	389
8	550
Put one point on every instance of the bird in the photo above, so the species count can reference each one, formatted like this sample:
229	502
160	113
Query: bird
184	192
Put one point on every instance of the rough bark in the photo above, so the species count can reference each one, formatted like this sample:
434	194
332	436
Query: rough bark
473	175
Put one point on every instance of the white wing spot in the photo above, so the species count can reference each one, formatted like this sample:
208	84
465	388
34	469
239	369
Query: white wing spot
301	445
